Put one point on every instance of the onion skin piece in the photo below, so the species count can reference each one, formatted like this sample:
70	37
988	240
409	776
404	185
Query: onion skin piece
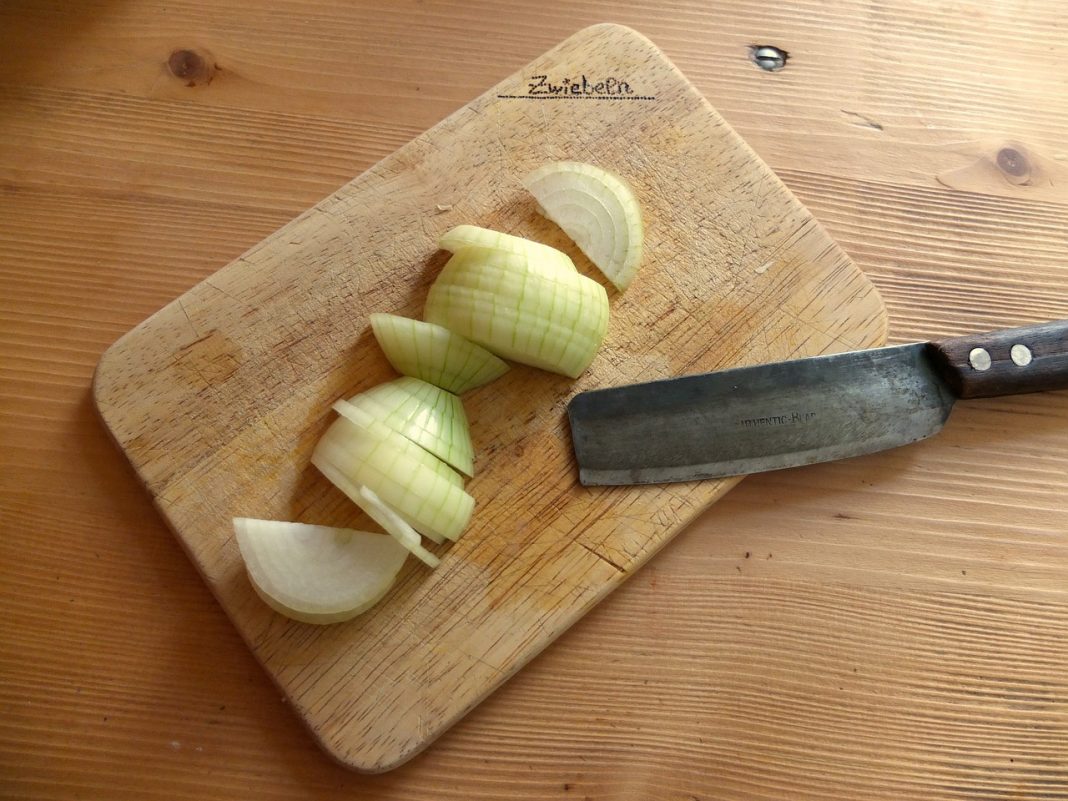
345	572
598	210
435	354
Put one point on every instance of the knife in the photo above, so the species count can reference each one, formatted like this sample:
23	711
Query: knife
772	416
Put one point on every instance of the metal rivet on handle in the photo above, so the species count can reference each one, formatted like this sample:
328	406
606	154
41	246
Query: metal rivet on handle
979	359
1021	355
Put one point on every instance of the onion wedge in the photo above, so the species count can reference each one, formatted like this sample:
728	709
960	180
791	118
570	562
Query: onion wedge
435	354
407	448
598	210
317	574
427	415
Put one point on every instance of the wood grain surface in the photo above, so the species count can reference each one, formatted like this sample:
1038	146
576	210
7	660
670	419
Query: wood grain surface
892	627
219	398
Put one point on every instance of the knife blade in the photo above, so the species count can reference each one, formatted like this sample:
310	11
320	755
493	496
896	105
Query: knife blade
788	414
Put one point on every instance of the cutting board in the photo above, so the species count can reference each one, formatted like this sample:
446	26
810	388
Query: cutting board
218	399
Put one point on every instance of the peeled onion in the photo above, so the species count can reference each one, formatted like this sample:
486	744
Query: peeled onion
471	236
435	354
421	488
317	574
427	415
397	528
521	308
598	210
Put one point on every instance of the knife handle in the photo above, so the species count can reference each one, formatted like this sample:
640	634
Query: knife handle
1032	358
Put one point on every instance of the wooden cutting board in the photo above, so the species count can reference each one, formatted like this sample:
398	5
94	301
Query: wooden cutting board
218	398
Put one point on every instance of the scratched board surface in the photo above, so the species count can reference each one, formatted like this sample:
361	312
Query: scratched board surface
218	398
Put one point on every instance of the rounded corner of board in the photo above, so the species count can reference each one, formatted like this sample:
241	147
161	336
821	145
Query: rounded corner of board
365	764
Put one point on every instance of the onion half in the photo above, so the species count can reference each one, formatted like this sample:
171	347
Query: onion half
521	309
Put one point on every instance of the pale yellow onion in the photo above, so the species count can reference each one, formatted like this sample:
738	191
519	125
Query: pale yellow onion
509	305
471	236
369	453
435	354
397	528
427	415
598	210
317	574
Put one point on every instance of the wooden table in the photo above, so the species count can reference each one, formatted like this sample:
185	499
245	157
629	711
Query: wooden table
891	627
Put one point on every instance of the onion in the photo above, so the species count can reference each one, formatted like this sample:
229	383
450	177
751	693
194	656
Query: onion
521	308
406	536
471	236
597	210
427	415
394	441
435	354
421	488
317	574
395	526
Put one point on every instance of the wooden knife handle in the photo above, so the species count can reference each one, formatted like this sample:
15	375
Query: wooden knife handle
1009	362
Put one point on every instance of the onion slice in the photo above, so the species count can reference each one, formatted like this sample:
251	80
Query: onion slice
435	354
471	236
317	574
410	450
510	305
412	481
427	415
598	210
397	528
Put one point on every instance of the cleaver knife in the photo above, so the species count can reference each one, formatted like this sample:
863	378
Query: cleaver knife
792	413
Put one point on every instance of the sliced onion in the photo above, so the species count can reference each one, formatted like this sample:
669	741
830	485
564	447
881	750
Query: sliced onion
369	453
317	574
397	528
507	303
435	354
598	210
471	236
363	417
395	525
427	415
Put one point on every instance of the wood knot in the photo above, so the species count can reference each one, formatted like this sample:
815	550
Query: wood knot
1012	162
192	67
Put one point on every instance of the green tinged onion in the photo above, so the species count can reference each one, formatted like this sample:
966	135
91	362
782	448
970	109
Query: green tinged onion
435	354
427	415
413	482
521	308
